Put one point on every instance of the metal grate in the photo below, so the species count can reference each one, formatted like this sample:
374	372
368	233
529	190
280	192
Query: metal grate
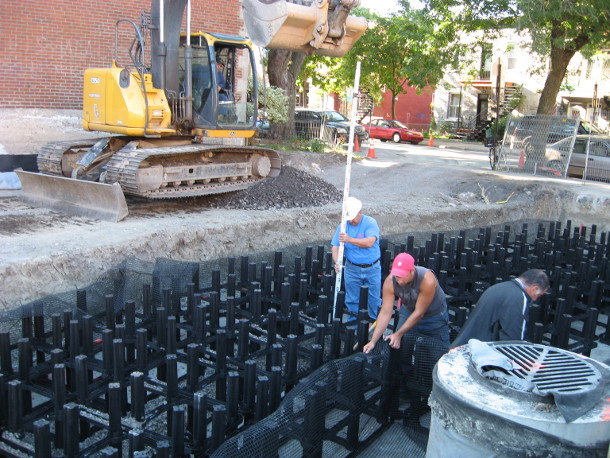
551	369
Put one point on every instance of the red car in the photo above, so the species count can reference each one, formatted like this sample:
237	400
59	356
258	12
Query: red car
396	131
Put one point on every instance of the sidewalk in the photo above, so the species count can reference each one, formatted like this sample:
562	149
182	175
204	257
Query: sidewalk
458	144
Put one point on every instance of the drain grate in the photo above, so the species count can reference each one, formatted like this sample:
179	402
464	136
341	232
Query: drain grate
551	370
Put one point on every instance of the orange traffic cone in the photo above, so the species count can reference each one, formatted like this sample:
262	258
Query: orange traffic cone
522	159
431	141
371	151
356	144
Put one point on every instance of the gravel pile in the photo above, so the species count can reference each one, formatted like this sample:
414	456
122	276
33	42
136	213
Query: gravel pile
293	188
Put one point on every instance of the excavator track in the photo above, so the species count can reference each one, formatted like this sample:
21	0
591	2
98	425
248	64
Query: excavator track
190	170
51	155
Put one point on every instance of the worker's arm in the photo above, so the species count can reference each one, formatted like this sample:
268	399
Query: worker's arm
366	242
385	313
427	290
336	262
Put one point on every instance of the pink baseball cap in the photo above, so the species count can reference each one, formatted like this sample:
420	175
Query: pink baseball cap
402	265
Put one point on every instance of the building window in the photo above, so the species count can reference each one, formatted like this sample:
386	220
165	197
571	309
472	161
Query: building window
485	71
511	56
589	71
605	68
454	106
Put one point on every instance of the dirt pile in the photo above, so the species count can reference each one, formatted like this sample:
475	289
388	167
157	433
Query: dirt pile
291	189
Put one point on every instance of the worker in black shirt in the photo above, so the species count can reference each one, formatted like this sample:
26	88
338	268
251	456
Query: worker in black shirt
501	311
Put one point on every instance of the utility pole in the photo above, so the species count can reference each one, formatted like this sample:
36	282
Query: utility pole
498	80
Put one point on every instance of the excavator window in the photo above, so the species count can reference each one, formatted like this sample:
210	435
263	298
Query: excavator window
229	106
202	86
234	109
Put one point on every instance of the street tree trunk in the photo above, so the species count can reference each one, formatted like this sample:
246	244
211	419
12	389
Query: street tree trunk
284	68
393	104
560	59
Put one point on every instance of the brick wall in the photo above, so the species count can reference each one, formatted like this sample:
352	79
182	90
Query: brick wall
47	45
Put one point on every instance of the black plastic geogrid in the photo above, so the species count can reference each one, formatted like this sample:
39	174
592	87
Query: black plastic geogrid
248	359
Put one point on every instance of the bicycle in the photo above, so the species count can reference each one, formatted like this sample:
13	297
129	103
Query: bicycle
493	153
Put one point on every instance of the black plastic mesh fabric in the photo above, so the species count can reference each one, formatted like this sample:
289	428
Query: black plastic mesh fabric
338	409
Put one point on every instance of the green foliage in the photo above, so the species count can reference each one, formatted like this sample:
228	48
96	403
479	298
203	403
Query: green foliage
445	127
558	29
273	101
317	146
410	47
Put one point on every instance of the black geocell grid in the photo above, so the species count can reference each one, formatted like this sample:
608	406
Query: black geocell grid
243	357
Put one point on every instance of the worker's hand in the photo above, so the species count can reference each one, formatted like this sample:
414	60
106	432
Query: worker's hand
368	347
343	237
338	267
394	340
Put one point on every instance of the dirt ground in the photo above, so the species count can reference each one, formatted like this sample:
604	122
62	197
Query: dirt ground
43	252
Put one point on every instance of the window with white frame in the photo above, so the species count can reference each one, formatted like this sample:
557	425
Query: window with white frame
511	56
605	68
589	71
453	110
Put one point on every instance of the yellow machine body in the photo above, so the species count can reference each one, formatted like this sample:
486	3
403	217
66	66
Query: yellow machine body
113	101
180	124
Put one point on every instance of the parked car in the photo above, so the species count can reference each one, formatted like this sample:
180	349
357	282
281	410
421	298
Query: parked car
530	130
307	123
396	131
598	160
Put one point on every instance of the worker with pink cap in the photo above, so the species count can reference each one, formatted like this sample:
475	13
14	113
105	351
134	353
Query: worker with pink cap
422	305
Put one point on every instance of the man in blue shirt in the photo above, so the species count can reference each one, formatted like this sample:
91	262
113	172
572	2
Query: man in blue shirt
222	88
362	254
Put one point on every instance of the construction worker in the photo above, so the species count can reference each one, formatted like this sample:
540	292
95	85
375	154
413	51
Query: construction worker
421	303
362	252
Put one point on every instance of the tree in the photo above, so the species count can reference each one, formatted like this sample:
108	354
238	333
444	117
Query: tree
559	29
272	102
408	47
283	69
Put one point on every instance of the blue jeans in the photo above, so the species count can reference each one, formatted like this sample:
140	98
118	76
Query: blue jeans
434	326
355	277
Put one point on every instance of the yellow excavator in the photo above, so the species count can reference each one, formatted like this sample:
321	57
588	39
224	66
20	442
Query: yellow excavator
181	113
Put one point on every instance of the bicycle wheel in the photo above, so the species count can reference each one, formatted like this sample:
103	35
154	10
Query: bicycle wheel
493	158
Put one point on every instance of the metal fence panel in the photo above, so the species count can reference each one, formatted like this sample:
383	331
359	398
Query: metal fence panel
312	129
594	162
538	144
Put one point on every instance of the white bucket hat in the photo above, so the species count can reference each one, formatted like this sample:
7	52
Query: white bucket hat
353	206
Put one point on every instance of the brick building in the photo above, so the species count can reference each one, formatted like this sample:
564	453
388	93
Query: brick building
46	46
411	108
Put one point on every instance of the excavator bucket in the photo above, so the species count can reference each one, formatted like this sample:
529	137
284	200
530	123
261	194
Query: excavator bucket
77	197
315	29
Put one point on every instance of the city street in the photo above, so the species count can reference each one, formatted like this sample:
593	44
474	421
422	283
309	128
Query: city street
451	152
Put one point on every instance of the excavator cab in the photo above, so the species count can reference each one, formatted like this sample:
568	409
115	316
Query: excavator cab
221	67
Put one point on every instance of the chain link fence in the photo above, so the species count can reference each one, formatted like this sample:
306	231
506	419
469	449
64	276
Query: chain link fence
554	146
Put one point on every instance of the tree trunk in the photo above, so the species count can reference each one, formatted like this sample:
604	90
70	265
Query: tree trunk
284	68
560	58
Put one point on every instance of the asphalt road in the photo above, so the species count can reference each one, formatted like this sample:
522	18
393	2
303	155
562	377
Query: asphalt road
451	152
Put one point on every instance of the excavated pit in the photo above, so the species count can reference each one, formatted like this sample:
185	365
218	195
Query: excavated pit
414	197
